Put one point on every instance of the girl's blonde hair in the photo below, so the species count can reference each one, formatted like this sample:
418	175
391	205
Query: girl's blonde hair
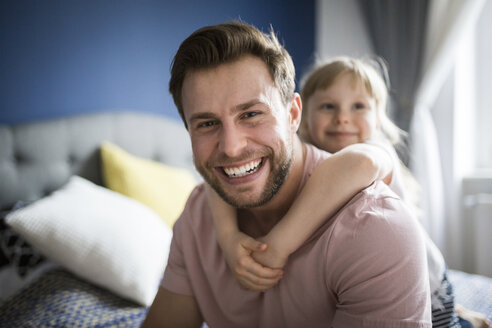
364	71
325	73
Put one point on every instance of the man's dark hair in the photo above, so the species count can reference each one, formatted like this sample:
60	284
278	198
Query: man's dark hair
214	45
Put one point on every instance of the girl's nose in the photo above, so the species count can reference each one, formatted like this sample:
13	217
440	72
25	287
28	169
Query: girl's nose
341	117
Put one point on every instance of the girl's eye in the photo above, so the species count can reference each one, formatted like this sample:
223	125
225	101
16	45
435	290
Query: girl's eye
327	106
359	106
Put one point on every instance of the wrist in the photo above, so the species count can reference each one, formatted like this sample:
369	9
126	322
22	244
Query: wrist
278	244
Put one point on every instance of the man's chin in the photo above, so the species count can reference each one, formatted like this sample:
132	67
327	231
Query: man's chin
243	201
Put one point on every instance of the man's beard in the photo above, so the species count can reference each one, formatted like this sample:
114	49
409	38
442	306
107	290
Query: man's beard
279	169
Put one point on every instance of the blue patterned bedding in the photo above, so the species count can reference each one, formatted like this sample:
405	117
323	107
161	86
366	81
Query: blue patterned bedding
472	291
60	299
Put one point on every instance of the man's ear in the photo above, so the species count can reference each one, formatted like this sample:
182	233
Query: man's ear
295	112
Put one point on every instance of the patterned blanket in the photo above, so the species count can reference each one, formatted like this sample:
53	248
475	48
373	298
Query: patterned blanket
472	291
60	299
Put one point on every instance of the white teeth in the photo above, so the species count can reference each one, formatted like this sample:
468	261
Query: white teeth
243	170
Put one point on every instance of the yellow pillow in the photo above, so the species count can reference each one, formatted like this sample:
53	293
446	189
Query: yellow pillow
163	188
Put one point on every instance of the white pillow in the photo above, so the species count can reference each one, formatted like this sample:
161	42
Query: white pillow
107	238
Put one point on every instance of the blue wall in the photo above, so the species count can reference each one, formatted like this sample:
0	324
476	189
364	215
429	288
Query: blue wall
63	57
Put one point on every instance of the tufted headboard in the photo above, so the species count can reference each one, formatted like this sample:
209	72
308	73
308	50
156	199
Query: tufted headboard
37	158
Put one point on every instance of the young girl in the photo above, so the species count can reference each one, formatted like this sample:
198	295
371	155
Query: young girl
345	114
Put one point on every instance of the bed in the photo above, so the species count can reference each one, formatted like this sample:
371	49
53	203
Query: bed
84	228
87	203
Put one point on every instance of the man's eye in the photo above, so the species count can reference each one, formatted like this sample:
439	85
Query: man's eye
250	114
327	106
206	124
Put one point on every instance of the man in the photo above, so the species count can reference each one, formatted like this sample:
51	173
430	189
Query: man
234	89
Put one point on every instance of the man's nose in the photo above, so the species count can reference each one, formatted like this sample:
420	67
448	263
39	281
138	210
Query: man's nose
232	141
342	116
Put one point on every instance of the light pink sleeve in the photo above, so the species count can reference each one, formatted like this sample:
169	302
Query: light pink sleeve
378	265
176	276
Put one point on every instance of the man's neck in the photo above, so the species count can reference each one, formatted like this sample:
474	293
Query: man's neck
258	221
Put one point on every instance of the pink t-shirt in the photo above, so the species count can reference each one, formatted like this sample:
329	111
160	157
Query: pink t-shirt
365	266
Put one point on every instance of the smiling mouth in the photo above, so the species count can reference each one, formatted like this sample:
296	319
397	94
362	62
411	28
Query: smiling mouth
243	170
341	134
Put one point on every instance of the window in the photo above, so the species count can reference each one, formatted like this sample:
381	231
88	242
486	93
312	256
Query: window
483	83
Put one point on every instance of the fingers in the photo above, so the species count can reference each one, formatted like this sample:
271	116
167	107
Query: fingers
255	283
247	265
253	245
256	287
251	274
254	276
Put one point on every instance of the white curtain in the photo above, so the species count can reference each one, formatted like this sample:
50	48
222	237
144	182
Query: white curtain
448	22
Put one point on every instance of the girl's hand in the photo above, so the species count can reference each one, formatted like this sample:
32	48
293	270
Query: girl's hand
238	247
249	273
274	256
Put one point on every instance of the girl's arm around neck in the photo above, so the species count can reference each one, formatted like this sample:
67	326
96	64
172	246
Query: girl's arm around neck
237	247
332	184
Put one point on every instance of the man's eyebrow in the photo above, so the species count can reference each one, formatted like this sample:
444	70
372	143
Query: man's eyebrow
240	107
202	116
248	104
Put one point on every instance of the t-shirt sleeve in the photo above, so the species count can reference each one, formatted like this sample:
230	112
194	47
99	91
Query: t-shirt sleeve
378	267
176	277
396	184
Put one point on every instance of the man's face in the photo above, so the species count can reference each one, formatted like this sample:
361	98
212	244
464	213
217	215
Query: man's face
241	132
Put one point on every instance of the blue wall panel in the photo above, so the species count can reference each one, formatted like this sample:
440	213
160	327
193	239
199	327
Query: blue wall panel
61	57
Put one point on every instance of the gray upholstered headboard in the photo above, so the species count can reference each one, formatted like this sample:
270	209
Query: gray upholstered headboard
37	158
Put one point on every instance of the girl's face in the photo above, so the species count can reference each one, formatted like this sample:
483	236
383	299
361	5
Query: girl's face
341	115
